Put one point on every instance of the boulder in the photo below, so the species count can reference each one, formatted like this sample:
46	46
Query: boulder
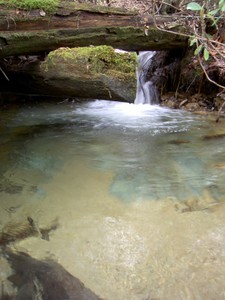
84	72
91	72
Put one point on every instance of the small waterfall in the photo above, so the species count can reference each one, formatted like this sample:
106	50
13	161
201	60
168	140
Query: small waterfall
146	91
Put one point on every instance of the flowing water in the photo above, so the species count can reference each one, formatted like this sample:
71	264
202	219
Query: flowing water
137	191
146	92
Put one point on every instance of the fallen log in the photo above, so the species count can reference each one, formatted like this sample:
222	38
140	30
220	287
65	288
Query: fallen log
73	25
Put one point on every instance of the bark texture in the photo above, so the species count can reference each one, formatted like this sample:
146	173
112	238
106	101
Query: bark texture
73	25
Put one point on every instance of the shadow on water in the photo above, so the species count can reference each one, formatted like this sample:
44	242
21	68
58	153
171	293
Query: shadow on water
46	279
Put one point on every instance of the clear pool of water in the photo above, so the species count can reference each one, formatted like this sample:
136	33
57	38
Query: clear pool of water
138	192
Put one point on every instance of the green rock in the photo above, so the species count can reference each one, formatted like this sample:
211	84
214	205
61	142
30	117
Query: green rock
92	72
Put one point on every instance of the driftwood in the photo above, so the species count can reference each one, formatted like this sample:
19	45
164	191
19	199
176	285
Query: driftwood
73	25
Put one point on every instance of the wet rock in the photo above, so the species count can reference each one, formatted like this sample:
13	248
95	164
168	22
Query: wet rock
165	69
214	136
171	103
220	166
195	205
179	142
192	106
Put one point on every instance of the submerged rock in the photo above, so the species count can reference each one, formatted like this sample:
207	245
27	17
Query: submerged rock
15	231
44	280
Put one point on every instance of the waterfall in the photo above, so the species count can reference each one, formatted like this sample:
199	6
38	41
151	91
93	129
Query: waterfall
146	91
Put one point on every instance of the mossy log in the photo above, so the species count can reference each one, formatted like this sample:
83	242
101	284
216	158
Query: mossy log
73	25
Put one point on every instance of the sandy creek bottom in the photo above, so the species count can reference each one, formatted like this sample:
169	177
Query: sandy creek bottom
126	250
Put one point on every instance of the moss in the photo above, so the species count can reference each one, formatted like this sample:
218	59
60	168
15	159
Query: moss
52	5
98	8
92	60
46	5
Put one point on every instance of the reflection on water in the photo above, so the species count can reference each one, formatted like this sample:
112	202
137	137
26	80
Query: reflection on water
137	192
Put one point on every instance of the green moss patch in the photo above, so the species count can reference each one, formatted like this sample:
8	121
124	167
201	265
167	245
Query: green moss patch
46	5
91	61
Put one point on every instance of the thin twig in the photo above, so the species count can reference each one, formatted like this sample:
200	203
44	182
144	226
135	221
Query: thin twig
169	31
200	38
170	5
216	49
4	74
207	76
219	112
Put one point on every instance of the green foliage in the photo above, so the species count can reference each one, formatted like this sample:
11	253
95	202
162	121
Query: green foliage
193	41
214	15
46	5
221	7
198	49
207	46
194	6
206	54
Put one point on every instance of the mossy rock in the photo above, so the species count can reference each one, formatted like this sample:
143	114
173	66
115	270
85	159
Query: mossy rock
92	61
97	72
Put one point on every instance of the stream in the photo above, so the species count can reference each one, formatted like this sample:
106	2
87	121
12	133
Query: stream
137	191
